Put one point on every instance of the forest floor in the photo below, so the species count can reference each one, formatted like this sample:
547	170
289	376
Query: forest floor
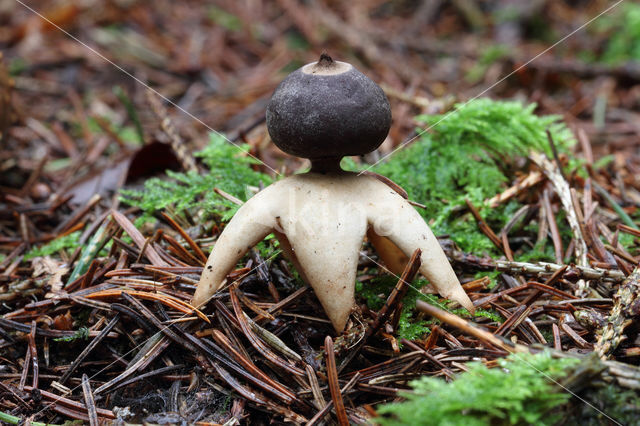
99	98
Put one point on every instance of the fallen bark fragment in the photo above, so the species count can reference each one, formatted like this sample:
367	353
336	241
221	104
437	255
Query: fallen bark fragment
626	307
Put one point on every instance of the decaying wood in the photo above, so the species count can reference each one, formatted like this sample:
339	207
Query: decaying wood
562	189
626	309
529	180
179	146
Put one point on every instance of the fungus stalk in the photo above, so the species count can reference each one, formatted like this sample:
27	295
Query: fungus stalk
325	111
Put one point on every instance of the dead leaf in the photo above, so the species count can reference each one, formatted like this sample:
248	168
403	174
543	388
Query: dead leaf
43	266
63	321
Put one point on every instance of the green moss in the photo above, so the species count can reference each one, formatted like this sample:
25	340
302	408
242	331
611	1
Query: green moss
471	155
493	277
603	162
491	314
13	420
519	392
17	66
541	252
626	240
268	247
224	19
127	134
54	246
81	333
229	169
488	57
376	291
621	405
621	30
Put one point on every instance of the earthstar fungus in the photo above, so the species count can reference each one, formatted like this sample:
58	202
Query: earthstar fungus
324	111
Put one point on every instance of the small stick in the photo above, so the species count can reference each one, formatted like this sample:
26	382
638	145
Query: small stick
143	377
397	294
263	273
182	252
34	354
180	148
435	361
402	359
88	276
334	386
484	227
256	342
514	320
137	237
42	332
563	190
530	180
87	350
147	241
25	369
228	196
16	252
89	402
575	337
585	143
622	253
146	312
554	151
70	403
154	346
254	307
470	328
222	357
572	273
629	230
243	391
391	184
553	226
33	177
506	247
615	206
195	247
283	393
557	343
14	394
273	340
550	281
323	412
318	399
288	300
79	214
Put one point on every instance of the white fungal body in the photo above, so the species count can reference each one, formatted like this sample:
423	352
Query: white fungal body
321	221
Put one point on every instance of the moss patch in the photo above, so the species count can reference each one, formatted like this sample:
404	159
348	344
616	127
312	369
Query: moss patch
519	392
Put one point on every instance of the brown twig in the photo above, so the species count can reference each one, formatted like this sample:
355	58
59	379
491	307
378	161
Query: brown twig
334	386
469	328
195	247
484	227
90	347
89	401
256	343
397	294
